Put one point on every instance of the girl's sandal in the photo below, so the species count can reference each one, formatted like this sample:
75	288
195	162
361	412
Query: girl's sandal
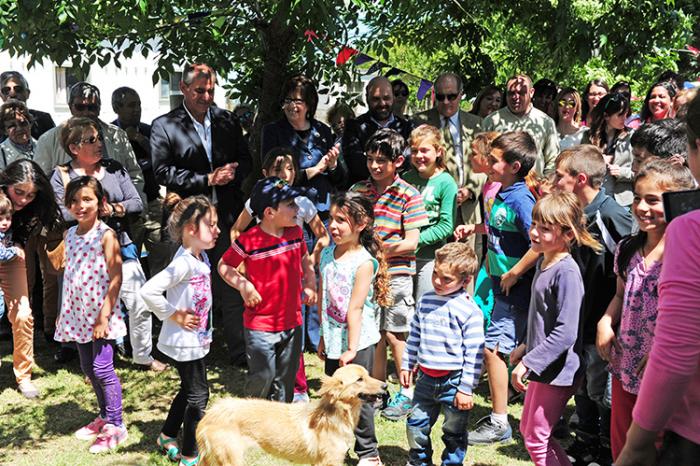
193	462
168	445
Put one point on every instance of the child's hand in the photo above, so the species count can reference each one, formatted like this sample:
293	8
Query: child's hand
250	295
20	253
186	318
321	349
347	357
463	401
517	354
309	296
605	339
463	194
101	327
508	280
464	231
516	377
614	170
406	378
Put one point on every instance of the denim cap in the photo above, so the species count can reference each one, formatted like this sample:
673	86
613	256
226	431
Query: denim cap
269	192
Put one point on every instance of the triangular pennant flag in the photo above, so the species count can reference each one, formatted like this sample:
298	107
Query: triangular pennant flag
423	89
345	54
393	72
376	67
361	59
310	35
695	51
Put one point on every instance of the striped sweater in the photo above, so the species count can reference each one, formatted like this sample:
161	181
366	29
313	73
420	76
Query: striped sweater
447	333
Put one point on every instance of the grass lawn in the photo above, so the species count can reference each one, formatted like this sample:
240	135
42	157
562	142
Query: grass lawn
40	432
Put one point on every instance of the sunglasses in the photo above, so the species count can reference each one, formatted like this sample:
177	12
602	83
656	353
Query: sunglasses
16	124
91	140
83	107
567	103
450	97
400	93
7	89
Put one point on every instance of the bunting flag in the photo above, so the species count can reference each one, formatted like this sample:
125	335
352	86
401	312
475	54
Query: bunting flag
361	59
423	89
345	54
695	51
376	67
310	35
392	72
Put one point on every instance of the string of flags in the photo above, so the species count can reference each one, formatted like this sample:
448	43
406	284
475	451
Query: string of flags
347	53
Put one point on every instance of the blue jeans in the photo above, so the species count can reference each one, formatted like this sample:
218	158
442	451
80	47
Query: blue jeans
431	394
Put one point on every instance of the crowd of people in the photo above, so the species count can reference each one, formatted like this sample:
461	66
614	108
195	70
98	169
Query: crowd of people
523	242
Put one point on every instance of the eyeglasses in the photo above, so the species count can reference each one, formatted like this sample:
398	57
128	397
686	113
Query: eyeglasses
290	101
567	103
450	97
401	93
18	90
89	107
16	124
91	140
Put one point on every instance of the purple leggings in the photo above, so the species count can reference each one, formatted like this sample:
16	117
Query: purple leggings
97	362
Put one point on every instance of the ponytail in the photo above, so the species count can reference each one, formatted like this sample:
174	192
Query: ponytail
382	285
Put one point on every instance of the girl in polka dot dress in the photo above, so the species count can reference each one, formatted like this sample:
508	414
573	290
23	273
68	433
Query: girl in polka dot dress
90	314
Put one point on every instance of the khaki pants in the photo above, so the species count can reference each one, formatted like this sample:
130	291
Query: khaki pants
38	244
13	280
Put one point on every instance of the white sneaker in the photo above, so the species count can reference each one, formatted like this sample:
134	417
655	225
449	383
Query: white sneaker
301	398
28	389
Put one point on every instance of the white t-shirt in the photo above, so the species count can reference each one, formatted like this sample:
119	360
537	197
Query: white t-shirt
307	210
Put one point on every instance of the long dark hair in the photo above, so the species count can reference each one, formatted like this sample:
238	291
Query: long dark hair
668	177
645	115
42	210
610	104
584	100
360	210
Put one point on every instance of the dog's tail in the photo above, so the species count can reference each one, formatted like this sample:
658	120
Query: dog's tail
218	437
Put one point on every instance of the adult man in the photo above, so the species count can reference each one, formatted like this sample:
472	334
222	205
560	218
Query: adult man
14	86
521	115
458	128
199	148
379	97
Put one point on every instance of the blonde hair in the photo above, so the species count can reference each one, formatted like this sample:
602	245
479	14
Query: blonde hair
563	210
434	137
458	257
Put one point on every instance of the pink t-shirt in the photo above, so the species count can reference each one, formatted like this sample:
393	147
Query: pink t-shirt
489	192
669	397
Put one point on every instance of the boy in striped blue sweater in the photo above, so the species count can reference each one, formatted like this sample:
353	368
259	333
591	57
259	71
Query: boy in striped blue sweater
445	349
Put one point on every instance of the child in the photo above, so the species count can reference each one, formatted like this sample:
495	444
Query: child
663	139
185	310
7	250
439	192
354	277
445	349
550	356
512	156
276	260
399	215
90	314
281	163
637	265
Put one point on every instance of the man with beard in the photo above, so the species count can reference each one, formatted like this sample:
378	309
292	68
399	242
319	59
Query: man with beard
379	97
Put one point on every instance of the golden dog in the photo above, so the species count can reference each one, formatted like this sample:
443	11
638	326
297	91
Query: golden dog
318	433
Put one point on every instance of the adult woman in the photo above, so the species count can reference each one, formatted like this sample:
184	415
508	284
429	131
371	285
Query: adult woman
310	140
608	132
595	90
568	117
488	101
401	92
658	103
80	138
16	124
34	206
337	115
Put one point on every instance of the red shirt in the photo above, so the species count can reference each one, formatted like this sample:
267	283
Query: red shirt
273	266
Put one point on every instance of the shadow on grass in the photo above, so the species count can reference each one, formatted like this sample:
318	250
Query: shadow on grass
393	455
58	419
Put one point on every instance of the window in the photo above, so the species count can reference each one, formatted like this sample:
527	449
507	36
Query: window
65	78
171	86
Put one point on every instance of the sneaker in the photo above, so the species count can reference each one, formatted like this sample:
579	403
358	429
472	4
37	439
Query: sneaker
392	378
398	408
92	430
301	398
374	461
488	432
109	438
582	453
28	389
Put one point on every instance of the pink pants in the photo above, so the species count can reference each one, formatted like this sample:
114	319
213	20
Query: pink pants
543	407
300	385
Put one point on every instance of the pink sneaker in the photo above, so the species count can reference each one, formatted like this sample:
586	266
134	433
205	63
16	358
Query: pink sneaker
90	431
109	438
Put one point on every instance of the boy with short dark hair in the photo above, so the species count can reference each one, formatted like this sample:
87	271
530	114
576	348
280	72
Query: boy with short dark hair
445	350
398	216
664	139
275	257
513	155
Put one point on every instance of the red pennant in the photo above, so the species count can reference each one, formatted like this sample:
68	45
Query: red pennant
310	35
345	54
693	50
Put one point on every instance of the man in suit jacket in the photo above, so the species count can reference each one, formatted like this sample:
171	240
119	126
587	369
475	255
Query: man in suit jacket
14	86
380	99
458	128
199	149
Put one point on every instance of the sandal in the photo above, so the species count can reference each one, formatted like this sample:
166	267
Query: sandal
192	462
168	445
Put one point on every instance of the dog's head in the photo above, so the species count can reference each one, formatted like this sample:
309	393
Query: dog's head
353	382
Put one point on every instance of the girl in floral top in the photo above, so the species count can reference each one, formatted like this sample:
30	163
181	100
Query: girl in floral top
634	306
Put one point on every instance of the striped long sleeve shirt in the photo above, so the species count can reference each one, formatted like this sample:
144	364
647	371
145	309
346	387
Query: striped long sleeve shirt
447	333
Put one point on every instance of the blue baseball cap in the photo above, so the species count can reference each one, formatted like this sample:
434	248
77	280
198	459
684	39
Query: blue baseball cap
269	192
